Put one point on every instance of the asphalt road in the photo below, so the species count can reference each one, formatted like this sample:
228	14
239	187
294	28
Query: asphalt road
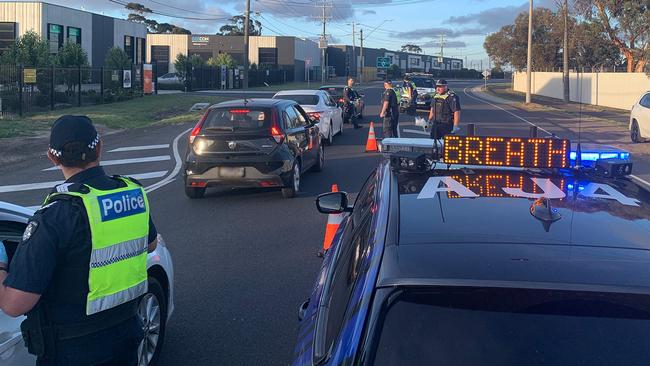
246	259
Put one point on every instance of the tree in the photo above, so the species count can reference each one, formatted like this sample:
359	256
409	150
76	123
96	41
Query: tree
117	59
236	28
71	54
29	50
411	48
626	24
139	14
222	59
590	47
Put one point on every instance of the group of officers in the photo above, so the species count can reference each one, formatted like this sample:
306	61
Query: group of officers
444	114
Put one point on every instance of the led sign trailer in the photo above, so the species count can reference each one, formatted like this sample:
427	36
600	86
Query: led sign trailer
507	151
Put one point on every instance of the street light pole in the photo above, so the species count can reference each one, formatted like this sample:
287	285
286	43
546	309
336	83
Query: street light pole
246	36
530	52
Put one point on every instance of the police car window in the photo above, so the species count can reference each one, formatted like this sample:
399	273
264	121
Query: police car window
11	234
513	327
365	199
238	119
345	274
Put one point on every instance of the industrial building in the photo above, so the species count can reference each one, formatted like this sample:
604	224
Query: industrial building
344	57
57	24
292	54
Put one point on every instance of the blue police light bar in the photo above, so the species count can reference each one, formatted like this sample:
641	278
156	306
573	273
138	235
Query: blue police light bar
595	152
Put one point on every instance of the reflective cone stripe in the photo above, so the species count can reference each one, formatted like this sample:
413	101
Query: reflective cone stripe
333	222
371	145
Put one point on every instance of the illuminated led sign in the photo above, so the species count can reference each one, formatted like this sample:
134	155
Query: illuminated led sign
507	151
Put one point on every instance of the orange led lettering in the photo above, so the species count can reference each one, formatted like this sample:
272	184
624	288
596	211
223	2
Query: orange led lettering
536	143
490	187
473	153
474	182
561	151
489	149
453	152
517	153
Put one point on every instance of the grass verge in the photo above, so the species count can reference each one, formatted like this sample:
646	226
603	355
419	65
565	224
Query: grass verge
135	113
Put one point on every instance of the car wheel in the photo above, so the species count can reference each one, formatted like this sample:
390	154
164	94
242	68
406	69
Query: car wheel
194	192
320	160
635	133
152	311
294	184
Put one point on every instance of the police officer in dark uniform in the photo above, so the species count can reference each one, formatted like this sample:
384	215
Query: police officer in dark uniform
53	278
389	110
348	100
445	111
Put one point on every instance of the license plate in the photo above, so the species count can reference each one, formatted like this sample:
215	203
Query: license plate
227	172
421	103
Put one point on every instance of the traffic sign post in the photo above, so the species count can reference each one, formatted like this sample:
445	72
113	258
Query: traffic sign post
486	74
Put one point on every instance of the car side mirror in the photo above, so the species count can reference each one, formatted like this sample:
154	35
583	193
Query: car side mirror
333	203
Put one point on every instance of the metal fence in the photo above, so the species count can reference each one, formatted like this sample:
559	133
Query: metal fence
209	77
29	90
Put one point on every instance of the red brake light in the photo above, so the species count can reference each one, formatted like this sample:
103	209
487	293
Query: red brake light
278	136
197	128
314	115
239	111
341	100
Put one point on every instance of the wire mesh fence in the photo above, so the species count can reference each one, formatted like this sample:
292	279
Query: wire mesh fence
31	90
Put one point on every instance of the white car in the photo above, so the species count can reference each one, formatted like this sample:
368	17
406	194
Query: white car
319	105
640	119
170	78
156	306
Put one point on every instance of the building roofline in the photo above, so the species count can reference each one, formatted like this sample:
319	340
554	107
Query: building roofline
67	7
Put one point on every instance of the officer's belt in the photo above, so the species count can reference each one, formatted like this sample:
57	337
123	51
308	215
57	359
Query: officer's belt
93	326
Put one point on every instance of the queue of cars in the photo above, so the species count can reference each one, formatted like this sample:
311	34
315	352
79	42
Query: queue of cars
266	143
529	261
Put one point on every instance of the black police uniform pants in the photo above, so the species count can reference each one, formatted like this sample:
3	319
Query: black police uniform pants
390	126
117	346
441	129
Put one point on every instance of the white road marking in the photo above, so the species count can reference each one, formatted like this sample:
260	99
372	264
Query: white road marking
139	148
148	159
417	132
51	184
505	110
640	180
177	168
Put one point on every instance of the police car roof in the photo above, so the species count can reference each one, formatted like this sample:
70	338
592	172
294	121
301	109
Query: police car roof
493	240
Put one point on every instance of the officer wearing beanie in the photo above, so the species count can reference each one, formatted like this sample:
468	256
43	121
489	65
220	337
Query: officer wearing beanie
81	267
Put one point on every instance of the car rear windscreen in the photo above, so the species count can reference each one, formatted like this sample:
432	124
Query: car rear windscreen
334	92
238	119
423	83
513	327
300	99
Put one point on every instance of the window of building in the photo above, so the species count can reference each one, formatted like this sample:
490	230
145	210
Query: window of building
129	46
55	37
415	62
74	35
7	35
268	56
140	51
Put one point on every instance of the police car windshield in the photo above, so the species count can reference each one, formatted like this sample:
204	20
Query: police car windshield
300	99
238	119
514	327
423	82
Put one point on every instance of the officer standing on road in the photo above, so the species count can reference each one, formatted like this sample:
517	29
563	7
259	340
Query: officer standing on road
411	93
82	264
389	110
445	111
348	99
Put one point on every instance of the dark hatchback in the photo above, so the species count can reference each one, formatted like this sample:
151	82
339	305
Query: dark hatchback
252	143
471	266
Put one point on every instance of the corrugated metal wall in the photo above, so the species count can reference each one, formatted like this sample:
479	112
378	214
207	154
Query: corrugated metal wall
27	15
178	43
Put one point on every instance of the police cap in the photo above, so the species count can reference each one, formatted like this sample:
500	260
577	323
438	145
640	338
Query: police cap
73	129
441	82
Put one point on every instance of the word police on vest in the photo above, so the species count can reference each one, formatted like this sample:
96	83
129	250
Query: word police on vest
122	204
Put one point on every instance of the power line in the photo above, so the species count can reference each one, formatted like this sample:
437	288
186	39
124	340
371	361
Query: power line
171	15
177	8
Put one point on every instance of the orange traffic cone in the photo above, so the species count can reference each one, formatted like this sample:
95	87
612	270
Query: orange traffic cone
333	222
371	145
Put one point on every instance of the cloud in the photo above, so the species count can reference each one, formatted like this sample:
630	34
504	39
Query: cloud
493	19
436	32
368	12
452	44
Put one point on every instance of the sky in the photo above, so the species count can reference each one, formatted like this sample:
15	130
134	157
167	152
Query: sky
385	23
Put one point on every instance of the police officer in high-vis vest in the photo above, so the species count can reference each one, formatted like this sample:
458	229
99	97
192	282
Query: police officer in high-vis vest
445	111
82	264
411	93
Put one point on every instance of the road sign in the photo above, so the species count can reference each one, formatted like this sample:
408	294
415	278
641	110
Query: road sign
383	62
487	73
29	76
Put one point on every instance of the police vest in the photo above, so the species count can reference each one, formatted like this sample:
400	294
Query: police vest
119	227
442	108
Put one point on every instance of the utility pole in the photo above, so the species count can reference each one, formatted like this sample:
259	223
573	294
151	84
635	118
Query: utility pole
529	60
323	41
354	51
565	53
246	36
361	57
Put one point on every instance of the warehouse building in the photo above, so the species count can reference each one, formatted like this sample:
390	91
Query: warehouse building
57	24
343	58
292	54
